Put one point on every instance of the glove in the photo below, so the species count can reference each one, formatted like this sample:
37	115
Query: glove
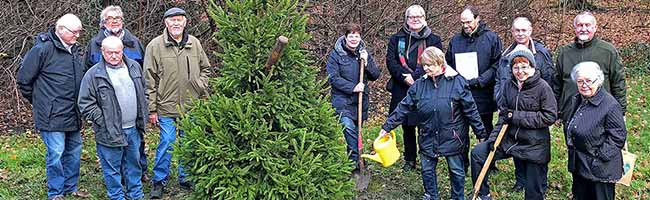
474	82
490	144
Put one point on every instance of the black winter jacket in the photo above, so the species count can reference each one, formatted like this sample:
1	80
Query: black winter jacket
487	46
343	74
49	78
98	103
444	108
595	135
543	61
533	109
396	85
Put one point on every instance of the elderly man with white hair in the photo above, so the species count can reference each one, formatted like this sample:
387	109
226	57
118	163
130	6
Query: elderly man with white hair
402	60
112	96
587	47
49	79
595	134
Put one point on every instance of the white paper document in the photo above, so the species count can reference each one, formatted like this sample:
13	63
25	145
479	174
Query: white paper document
467	64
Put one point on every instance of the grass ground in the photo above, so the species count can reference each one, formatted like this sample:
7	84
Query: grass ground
22	167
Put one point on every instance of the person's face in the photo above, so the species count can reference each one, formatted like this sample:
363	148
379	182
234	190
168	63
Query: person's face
353	40
415	20
585	27
522	71
586	86
175	25
433	70
113	22
112	55
69	34
521	31
468	21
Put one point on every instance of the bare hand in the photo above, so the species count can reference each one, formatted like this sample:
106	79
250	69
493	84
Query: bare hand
359	88
408	79
383	133
558	123
363	55
153	118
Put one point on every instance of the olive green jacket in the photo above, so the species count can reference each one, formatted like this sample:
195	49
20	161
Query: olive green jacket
599	51
175	75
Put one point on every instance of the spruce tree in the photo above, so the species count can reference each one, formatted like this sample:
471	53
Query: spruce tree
264	133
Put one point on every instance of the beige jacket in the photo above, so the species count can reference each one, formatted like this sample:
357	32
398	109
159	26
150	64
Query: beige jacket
174	76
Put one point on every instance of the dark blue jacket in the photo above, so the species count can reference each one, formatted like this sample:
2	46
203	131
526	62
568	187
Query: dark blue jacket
133	48
343	74
595	135
98	103
396	85
543	61
533	109
49	78
444	109
487	46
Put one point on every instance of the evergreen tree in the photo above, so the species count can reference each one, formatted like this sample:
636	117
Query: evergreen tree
264	134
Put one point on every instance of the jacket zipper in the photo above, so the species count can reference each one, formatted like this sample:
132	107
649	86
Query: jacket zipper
188	67
516	109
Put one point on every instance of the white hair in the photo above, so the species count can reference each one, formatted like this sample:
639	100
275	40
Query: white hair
112	42
110	8
415	9
68	20
590	70
587	14
524	20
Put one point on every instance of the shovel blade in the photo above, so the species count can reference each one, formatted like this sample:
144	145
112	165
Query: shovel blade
362	180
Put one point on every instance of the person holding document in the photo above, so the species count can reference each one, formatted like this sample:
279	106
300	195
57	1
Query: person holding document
474	53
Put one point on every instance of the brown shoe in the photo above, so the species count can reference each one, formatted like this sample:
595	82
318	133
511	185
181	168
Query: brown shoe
80	194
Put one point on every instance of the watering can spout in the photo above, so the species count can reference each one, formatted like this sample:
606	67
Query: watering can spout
385	148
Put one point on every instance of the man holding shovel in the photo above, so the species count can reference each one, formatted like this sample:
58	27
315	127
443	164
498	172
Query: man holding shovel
344	66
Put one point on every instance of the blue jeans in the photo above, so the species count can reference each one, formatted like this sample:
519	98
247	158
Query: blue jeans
351	137
118	161
162	162
62	161
456	175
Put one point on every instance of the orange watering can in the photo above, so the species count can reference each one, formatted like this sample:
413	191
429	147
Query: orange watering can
386	151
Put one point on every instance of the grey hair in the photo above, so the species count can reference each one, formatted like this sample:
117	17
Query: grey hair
68	20
110	8
584	13
590	70
523	19
414	8
112	42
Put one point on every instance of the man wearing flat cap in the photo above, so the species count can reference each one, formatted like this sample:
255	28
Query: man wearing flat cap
176	70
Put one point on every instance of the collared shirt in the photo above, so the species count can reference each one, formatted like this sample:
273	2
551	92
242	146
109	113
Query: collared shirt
67	47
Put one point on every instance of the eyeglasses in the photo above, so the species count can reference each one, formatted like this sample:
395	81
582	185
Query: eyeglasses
521	67
586	82
114	19
415	17
77	32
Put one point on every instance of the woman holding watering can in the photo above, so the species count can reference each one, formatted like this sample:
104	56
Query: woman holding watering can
343	69
402	61
528	107
444	108
595	135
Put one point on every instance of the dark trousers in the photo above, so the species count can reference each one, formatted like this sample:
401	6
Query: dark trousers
534	172
584	189
410	143
520	174
486	119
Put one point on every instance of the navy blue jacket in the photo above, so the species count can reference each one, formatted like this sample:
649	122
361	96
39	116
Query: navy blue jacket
595	135
487	46
533	109
396	85
543	61
133	48
343	74
444	109
49	78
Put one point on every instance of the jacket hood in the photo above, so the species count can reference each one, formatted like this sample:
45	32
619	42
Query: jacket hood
449	72
50	35
339	47
482	28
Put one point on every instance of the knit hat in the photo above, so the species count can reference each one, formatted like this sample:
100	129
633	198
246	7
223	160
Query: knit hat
175	11
522	51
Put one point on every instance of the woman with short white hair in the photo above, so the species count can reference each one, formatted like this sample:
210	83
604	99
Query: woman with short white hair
595	135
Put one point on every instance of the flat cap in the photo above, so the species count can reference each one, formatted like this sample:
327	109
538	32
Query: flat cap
175	11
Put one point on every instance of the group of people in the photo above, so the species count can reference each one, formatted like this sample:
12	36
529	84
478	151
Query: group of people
118	86
443	94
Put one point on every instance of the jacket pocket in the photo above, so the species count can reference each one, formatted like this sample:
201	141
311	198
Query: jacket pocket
603	169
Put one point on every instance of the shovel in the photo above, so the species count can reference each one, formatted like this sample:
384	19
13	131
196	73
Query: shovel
364	176
486	165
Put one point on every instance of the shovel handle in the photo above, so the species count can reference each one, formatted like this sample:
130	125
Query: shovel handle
362	65
488	161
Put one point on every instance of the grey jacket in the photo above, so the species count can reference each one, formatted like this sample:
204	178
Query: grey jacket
98	103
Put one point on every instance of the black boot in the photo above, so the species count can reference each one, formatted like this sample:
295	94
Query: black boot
157	191
408	166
